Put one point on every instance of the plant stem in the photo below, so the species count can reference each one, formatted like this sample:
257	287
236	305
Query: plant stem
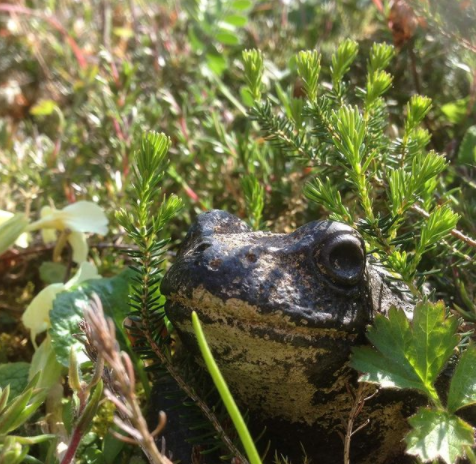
72	447
206	411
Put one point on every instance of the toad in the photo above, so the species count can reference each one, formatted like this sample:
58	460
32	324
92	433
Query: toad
281	313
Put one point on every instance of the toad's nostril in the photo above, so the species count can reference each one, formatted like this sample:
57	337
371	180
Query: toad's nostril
342	258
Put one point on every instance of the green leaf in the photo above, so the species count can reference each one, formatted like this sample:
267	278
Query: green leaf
380	56
43	108
52	273
417	109
327	195
438	435
15	375
44	364
85	421
227	38
246	96
434	338
196	44
12	452
390	366
241	5
350	134
93	456
254	197
366	359
68	311
456	111
377	84
20	409
236	20
11	230
254	67
441	222
467	150
33	440
408	356
217	63
111	447
463	383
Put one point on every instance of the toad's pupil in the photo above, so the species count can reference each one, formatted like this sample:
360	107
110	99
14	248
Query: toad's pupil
343	259
347	261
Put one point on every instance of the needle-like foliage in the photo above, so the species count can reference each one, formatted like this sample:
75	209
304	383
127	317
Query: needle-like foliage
388	190
390	183
145	224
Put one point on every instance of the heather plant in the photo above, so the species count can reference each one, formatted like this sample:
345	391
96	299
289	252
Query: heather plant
388	190
81	86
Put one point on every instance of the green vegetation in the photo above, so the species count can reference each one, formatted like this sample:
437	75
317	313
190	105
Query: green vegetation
121	121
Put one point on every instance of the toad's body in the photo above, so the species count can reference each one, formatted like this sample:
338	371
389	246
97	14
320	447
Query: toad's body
282	313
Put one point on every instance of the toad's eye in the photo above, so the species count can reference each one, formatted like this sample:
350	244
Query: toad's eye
342	258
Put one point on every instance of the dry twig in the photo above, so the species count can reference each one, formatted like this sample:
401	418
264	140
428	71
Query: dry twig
120	382
357	406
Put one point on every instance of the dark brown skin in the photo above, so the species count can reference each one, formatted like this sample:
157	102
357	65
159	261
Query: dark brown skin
281	314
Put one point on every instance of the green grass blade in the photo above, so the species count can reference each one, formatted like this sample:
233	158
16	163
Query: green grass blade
225	394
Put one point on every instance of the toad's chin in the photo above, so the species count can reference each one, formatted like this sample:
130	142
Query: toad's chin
273	369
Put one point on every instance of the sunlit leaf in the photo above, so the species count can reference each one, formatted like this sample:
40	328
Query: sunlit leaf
408	355
236	20
227	38
434	338
217	63
455	111
438	435
241	4
43	108
463	383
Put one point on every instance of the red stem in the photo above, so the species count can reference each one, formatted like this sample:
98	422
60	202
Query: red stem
72	447
53	22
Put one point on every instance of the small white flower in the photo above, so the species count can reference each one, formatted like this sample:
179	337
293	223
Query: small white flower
37	315
75	219
79	245
82	216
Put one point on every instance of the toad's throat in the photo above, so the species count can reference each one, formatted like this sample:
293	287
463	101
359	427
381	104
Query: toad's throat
269	362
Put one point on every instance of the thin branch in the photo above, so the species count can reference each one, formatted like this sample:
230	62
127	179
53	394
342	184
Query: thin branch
455	232
161	425
123	438
206	411
357	406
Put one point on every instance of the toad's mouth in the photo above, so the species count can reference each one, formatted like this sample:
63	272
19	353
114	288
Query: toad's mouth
237	313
